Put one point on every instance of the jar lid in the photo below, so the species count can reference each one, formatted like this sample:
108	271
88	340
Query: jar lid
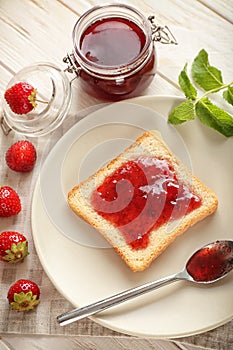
54	92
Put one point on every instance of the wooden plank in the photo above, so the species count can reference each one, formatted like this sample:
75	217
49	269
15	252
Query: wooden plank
222	7
95	342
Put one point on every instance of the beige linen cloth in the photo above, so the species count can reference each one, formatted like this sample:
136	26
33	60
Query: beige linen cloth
42	320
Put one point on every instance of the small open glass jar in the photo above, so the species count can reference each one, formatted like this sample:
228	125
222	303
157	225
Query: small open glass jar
114	53
53	87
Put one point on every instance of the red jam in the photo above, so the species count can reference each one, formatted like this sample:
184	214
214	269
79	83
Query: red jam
211	263
115	42
142	195
112	42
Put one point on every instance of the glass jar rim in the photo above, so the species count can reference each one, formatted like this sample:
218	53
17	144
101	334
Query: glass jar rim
84	23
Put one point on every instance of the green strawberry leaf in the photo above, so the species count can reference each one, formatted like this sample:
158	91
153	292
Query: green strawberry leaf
228	95
182	113
208	77
17	252
24	301
186	85
214	117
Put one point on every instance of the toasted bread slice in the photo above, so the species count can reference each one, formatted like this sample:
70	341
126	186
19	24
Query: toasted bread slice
150	144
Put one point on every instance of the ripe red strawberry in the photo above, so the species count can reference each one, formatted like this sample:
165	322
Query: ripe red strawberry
21	98
13	246
9	202
21	156
23	295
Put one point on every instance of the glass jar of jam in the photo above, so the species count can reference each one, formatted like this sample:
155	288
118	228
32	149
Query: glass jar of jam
114	53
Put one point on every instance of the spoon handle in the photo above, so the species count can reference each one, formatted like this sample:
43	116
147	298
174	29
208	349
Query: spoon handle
116	299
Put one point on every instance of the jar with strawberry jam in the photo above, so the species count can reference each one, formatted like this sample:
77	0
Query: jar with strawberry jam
114	54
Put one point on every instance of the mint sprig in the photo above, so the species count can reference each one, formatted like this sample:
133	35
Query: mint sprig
209	79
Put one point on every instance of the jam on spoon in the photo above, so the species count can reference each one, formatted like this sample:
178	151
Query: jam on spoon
211	262
207	265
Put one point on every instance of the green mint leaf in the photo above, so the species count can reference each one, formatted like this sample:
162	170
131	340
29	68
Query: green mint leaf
208	77
228	95
182	113
214	117
186	85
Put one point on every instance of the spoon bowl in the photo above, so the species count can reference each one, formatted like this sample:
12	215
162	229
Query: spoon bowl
207	265
211	262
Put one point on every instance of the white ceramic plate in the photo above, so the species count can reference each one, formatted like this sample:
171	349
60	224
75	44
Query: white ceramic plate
88	269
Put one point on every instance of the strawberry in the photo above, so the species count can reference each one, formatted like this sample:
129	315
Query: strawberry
21	156
9	202
23	295
13	246
21	98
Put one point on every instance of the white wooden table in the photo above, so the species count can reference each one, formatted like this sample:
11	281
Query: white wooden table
40	30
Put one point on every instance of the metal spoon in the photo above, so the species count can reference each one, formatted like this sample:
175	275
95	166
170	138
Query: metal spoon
207	265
